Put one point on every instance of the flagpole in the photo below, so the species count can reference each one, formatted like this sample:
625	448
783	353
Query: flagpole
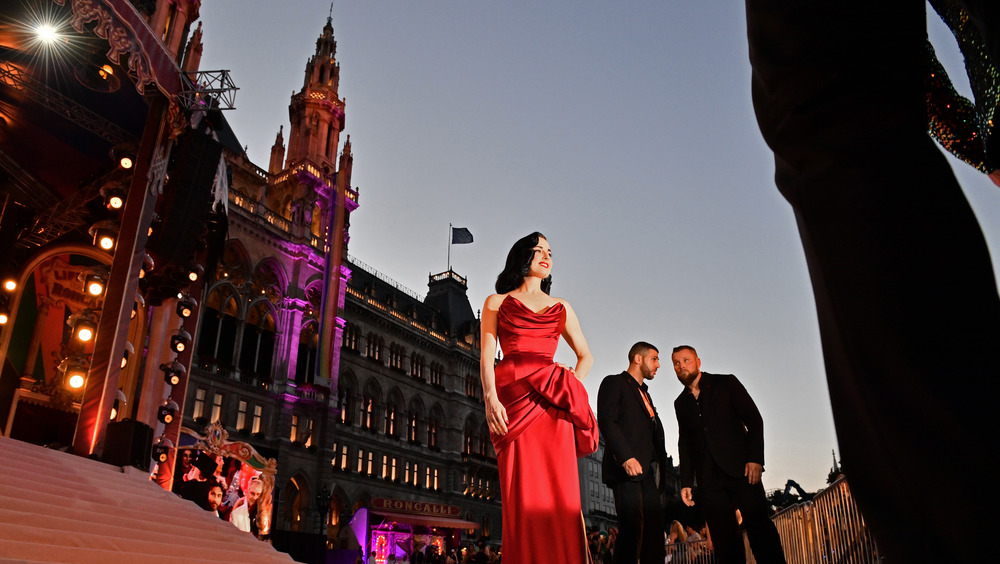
449	246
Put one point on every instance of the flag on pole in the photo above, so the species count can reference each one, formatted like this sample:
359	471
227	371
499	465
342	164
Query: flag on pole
460	236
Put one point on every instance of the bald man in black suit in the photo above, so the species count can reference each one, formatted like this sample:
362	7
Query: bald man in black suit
721	450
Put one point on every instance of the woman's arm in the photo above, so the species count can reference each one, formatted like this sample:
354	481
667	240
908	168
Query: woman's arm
574	337
496	414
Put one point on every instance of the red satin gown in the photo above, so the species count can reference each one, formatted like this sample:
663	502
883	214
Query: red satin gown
550	425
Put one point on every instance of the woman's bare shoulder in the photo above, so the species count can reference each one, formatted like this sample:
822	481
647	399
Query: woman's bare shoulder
494	301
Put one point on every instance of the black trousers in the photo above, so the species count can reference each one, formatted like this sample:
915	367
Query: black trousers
905	292
640	522
719	499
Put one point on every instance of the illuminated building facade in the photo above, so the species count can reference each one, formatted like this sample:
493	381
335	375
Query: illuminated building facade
400	414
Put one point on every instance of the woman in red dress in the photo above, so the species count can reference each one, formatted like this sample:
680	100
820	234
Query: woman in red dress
537	410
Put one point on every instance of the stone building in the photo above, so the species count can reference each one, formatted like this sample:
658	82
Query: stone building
397	411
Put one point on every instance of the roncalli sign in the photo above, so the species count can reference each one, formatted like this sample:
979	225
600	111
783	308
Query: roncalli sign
416	507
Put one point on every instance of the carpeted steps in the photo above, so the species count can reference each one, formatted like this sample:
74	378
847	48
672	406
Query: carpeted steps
57	507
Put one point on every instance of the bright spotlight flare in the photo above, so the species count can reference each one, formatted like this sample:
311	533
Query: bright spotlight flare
46	33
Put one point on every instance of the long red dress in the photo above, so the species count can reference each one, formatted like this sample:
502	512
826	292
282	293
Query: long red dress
550	425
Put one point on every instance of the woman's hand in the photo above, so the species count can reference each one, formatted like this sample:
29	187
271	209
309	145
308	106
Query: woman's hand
496	414
570	368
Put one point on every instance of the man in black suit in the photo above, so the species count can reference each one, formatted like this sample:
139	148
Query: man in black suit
721	450
634	457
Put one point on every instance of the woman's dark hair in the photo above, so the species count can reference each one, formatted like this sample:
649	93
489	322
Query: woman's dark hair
518	265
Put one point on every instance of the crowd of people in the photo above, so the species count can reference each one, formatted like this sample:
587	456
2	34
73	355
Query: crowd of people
218	485
682	543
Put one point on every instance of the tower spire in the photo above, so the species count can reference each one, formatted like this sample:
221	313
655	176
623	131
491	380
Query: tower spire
317	111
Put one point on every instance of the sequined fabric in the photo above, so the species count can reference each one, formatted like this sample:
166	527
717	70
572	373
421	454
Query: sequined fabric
961	126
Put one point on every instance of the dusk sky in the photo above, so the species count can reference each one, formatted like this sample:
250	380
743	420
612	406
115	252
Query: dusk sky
623	131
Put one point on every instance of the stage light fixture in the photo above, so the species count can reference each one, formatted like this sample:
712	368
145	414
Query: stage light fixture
129	351
167	411
114	196
105	233
185	307
84	324
147	265
123	154
161	449
138	304
180	341
120	400
173	372
94	281
74	371
194	272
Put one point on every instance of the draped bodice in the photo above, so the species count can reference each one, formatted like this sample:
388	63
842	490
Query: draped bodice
526	337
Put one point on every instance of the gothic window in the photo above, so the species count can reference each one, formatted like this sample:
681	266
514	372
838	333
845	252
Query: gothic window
396	355
350	337
345	399
484	439
305	364
257	348
369	407
469	435
373	347
414	417
417	366
436	373
393	409
471	386
219	324
433	426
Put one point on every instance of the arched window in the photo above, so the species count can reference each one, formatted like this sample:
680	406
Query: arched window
433	426
471	386
257	347
219	323
345	398
396	355
350	337
393	411
305	364
415	414
484	439
369	407
470	435
417	366
373	347
437	371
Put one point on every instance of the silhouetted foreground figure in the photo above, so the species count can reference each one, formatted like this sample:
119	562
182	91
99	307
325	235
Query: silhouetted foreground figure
905	292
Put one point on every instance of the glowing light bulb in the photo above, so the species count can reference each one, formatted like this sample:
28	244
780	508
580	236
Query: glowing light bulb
76	381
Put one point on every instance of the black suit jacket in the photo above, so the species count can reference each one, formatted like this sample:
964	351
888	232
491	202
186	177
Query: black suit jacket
627	429
727	424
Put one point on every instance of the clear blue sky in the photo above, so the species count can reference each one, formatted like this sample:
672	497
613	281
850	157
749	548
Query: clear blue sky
622	130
